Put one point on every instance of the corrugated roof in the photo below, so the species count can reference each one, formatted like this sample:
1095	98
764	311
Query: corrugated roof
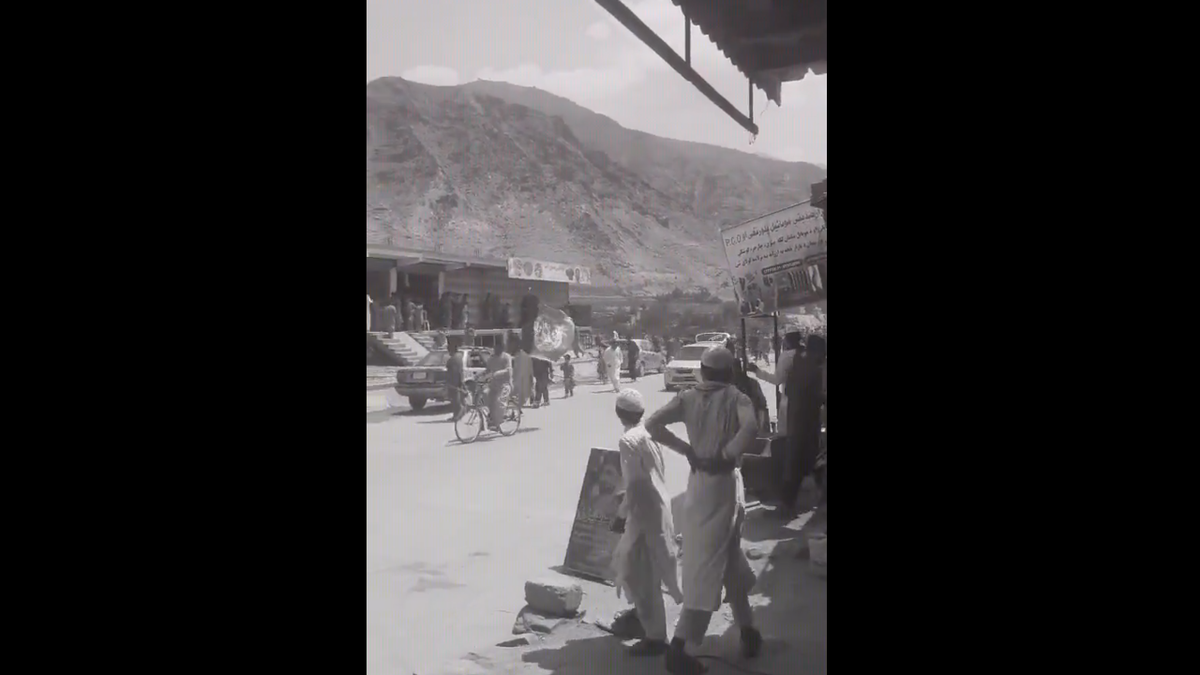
768	41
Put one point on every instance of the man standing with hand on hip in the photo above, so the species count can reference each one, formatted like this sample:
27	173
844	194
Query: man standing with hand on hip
721	424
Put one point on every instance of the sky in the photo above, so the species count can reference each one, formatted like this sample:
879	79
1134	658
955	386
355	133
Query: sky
575	49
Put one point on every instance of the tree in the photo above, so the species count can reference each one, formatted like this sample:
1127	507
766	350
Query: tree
730	313
656	317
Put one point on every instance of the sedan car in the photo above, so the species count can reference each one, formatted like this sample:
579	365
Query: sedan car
426	381
648	359
684	369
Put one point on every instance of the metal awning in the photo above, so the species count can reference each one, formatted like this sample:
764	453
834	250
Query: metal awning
412	258
768	41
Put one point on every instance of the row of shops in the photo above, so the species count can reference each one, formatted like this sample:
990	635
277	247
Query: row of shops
484	285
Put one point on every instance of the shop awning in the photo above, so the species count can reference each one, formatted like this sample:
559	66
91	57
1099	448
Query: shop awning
768	41
405	257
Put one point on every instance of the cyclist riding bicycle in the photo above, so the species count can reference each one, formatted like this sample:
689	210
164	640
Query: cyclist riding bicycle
498	379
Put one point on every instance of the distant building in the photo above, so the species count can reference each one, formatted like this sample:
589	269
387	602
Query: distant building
424	276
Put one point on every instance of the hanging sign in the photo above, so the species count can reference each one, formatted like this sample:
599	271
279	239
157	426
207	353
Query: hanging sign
777	261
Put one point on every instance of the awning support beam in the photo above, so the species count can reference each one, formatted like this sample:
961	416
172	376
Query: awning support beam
687	38
640	30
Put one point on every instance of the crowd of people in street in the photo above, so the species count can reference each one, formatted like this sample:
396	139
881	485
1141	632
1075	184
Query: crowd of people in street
724	417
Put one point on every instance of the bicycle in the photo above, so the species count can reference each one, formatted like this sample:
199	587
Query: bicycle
471	423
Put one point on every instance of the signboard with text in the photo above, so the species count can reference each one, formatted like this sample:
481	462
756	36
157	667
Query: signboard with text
540	270
777	261
592	542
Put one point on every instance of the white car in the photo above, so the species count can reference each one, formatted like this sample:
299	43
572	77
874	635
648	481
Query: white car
713	337
684	370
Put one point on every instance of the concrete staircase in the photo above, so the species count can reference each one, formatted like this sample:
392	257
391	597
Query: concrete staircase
424	339
402	346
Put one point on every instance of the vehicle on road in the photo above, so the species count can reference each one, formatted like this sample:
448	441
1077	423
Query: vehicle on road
713	337
471	424
426	381
684	369
649	360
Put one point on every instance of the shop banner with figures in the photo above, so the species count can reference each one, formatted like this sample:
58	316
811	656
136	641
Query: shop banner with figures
540	270
777	261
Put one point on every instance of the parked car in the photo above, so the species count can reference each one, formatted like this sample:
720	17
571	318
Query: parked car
426	381
684	369
648	359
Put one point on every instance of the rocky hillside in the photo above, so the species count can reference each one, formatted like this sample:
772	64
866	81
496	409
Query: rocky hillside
493	169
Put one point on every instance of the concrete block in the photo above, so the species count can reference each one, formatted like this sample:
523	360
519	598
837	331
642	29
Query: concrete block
554	596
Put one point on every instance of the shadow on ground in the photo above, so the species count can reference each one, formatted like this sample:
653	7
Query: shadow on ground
789	609
489	436
432	410
603	654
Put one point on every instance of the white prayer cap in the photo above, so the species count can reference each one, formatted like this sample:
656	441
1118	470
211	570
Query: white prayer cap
630	400
718	358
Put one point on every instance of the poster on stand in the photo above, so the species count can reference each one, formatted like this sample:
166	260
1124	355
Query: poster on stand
592	542
777	261
540	270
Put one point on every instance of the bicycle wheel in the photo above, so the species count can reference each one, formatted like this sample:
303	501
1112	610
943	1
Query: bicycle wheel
512	419
469	427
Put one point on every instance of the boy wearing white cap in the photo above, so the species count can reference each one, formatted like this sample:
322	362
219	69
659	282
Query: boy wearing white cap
721	425
645	557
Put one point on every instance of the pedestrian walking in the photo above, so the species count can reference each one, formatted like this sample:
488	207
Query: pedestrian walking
568	372
612	365
541	382
645	558
523	377
455	367
720	423
601	368
635	352
389	320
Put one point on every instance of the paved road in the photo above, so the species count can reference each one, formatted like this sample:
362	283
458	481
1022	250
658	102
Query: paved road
453	531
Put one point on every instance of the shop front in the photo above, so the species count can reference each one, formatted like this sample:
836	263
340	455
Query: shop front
439	282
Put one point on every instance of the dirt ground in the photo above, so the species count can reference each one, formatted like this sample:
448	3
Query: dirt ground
789	603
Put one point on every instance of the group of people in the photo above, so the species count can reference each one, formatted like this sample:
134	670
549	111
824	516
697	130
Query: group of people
800	374
397	313
611	358
723	416
452	311
511	373
722	424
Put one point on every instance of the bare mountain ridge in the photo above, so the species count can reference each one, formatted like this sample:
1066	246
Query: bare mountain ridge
495	170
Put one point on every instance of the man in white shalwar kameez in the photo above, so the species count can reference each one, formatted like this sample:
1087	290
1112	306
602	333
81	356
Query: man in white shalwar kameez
646	557
612	365
783	367
721	425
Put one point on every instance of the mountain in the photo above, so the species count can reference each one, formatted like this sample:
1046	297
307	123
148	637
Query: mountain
493	169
